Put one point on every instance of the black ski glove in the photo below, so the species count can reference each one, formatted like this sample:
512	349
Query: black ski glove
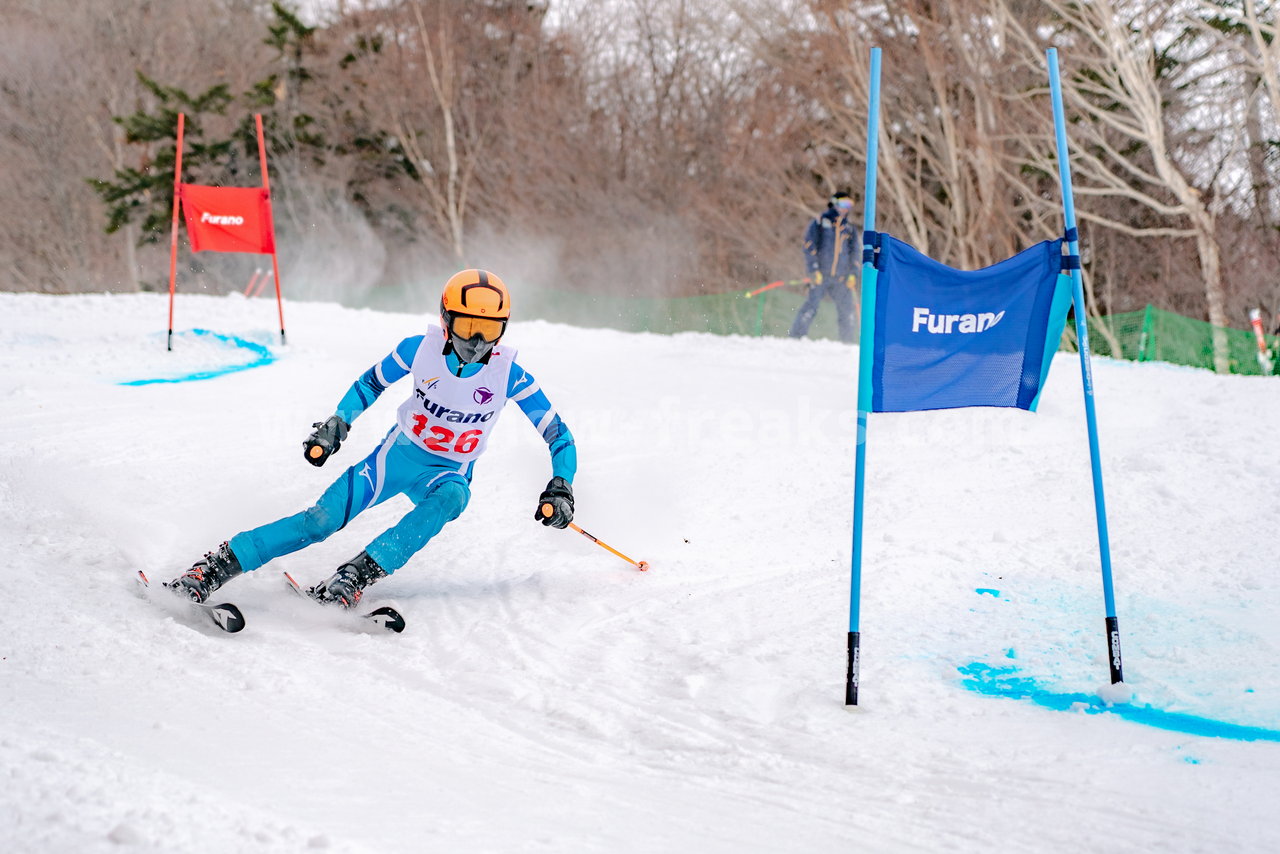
555	504
325	440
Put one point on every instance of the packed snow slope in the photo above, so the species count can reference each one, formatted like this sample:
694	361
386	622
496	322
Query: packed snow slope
548	697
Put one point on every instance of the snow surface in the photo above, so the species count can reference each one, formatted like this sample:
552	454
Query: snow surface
547	697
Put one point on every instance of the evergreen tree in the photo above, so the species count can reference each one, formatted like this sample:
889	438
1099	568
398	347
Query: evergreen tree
145	194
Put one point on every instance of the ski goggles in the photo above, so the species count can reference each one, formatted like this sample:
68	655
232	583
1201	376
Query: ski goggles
465	326
844	203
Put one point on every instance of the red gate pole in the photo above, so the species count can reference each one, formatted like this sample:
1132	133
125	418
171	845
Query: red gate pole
253	282
271	222
173	235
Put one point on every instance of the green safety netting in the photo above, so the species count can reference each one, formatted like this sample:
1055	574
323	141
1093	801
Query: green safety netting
1155	335
1149	335
769	313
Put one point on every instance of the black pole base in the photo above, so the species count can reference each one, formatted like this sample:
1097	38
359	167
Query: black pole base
1113	650
852	674
170	340
282	341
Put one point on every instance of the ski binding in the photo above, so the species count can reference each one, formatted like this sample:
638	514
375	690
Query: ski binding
224	615
384	616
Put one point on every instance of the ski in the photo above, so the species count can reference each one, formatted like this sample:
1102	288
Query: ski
384	616
224	615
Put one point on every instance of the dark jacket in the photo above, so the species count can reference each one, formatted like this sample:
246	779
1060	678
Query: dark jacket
821	243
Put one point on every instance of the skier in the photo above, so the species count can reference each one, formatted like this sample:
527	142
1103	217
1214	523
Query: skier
830	256
461	381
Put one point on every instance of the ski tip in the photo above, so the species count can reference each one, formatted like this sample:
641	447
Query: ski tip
227	617
142	579
388	618
643	566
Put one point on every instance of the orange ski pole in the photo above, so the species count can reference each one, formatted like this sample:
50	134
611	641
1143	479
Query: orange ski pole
778	284
643	566
767	287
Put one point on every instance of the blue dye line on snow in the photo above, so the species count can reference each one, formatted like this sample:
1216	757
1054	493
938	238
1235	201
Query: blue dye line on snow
1006	682
264	357
989	591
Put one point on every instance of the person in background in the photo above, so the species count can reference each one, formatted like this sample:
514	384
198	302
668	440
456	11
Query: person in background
831	246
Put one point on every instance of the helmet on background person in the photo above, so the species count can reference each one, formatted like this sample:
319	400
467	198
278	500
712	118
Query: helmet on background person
474	309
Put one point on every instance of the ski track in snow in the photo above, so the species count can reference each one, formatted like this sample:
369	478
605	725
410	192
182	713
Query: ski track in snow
548	697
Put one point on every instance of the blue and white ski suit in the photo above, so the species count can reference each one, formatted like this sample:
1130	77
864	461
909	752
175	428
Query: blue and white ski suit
438	485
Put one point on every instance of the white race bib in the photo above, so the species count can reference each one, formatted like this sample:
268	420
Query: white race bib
452	416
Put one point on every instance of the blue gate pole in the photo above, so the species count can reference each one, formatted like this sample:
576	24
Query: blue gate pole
1082	336
866	345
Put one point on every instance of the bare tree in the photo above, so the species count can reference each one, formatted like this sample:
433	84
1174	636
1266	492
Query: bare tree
941	119
1246	42
1125	60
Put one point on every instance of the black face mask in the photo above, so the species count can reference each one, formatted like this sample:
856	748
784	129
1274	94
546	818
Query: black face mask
473	349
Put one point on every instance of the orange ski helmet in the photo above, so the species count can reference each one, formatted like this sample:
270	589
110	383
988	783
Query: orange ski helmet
474	309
